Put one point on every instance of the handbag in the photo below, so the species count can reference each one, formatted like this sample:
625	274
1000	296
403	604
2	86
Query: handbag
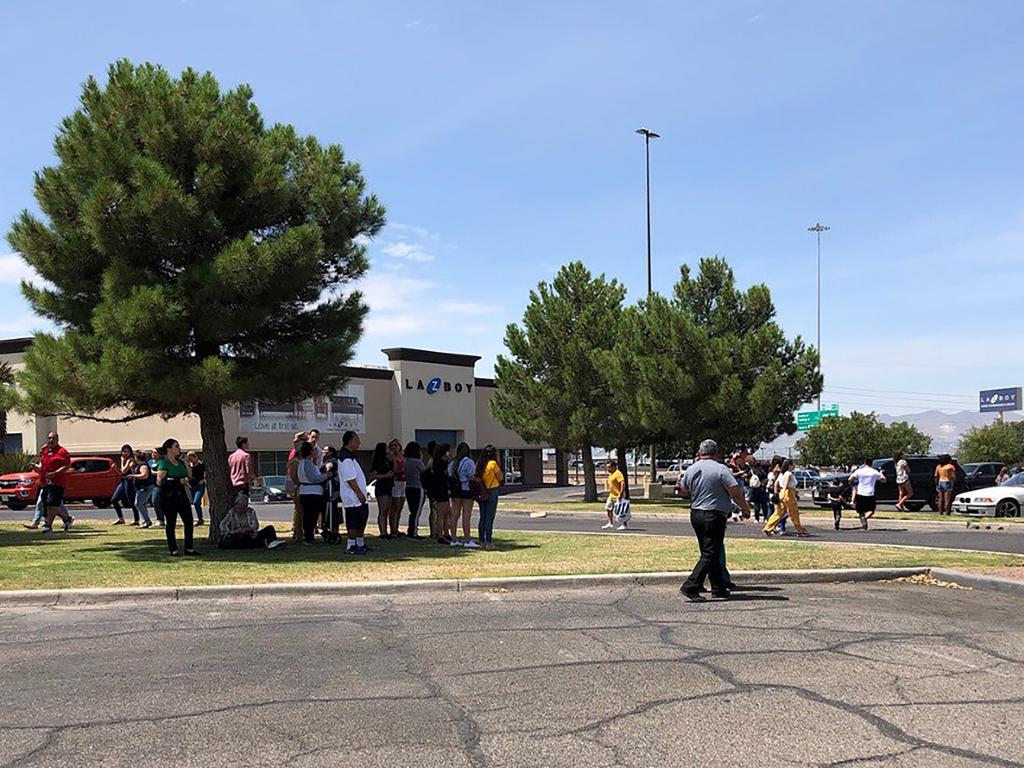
622	510
477	490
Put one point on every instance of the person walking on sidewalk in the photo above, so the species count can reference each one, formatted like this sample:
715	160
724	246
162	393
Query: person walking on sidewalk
789	503
712	489
866	478
903	482
613	484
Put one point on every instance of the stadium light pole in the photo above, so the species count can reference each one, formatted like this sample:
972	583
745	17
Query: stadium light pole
648	134
817	229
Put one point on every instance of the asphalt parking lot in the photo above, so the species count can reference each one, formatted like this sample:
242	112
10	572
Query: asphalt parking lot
889	674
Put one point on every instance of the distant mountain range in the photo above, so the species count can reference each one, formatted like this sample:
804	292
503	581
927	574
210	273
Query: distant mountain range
945	429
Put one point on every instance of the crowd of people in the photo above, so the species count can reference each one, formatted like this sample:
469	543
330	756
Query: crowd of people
328	487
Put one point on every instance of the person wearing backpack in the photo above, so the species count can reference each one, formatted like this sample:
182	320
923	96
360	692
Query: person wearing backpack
461	471
489	477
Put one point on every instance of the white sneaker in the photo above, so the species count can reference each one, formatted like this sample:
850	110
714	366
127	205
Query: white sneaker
275	544
455	543
607	526
69	523
622	528
470	544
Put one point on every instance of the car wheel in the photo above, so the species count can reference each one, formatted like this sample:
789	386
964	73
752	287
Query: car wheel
915	506
101	503
1007	508
16	506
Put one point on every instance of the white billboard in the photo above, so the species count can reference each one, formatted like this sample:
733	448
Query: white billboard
339	412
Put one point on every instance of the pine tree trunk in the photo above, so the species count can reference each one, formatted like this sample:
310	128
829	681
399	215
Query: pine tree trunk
623	462
215	457
561	467
589	480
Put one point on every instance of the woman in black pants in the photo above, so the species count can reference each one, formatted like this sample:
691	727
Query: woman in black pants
413	467
311	492
172	479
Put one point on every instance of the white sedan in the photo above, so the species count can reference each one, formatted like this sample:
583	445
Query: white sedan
1003	500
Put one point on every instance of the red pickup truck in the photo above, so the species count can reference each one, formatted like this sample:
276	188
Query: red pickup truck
90	478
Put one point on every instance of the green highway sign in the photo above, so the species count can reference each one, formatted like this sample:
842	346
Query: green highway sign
807	419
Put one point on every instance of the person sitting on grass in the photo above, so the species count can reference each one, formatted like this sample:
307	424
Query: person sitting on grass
240	528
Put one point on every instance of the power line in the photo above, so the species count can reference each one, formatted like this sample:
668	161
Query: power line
901	392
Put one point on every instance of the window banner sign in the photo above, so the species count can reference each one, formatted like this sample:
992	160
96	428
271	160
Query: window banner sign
339	412
992	400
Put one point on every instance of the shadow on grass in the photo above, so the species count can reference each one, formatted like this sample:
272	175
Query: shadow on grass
36	538
152	550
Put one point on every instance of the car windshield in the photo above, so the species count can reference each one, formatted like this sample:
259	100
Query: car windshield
970	469
274	481
1016	480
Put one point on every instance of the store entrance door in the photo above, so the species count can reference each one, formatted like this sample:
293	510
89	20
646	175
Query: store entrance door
449	436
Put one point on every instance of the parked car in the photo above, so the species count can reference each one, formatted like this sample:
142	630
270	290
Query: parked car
922	479
1003	500
272	488
982	474
671	473
90	478
806	478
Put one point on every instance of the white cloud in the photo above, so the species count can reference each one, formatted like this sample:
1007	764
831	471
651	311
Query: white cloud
393	291
14	269
411	24
472	308
755	18
407	251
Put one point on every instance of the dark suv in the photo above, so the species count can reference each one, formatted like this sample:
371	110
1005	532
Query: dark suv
922	479
982	474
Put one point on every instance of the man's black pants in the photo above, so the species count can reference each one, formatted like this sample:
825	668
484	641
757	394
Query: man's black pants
313	506
247	541
709	525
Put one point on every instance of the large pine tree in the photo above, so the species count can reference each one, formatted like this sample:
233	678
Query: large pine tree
193	257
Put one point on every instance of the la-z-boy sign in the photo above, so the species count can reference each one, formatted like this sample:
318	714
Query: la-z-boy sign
437	384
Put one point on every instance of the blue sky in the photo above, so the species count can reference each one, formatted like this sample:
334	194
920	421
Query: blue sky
500	137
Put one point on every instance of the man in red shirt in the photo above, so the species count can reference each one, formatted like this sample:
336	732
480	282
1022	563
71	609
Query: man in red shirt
54	462
240	468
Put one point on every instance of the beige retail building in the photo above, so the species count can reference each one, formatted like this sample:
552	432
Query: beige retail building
419	395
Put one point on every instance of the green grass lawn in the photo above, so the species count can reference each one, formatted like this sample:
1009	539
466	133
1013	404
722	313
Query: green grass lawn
96	554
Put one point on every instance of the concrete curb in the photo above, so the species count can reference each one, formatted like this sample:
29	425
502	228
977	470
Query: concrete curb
106	596
980	581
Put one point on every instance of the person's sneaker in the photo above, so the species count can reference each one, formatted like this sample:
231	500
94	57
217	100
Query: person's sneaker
200	522
175	553
837	525
30	526
455	543
470	544
720	595
607	526
191	552
622	528
134	523
363	550
68	523
146	525
119	521
47	529
351	550
277	544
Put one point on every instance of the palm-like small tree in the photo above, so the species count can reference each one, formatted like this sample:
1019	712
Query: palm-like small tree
6	380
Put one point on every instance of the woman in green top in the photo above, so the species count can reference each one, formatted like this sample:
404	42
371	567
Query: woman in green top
172	478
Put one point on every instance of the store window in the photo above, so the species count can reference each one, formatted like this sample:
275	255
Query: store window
271	463
512	465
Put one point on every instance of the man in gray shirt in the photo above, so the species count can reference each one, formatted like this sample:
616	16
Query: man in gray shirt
711	488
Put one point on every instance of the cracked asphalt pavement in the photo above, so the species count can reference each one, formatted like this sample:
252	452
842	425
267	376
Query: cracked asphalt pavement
886	674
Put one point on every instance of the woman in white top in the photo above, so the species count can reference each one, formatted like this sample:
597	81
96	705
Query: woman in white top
789	502
461	471
311	491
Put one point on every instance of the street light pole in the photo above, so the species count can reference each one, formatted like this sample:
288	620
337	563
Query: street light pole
648	135
818	228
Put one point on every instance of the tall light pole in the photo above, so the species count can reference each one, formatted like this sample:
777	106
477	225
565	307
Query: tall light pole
818	228
648	134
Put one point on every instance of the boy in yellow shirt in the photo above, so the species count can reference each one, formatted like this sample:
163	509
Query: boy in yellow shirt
613	484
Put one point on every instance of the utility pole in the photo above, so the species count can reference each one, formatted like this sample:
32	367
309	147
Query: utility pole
648	135
818	228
